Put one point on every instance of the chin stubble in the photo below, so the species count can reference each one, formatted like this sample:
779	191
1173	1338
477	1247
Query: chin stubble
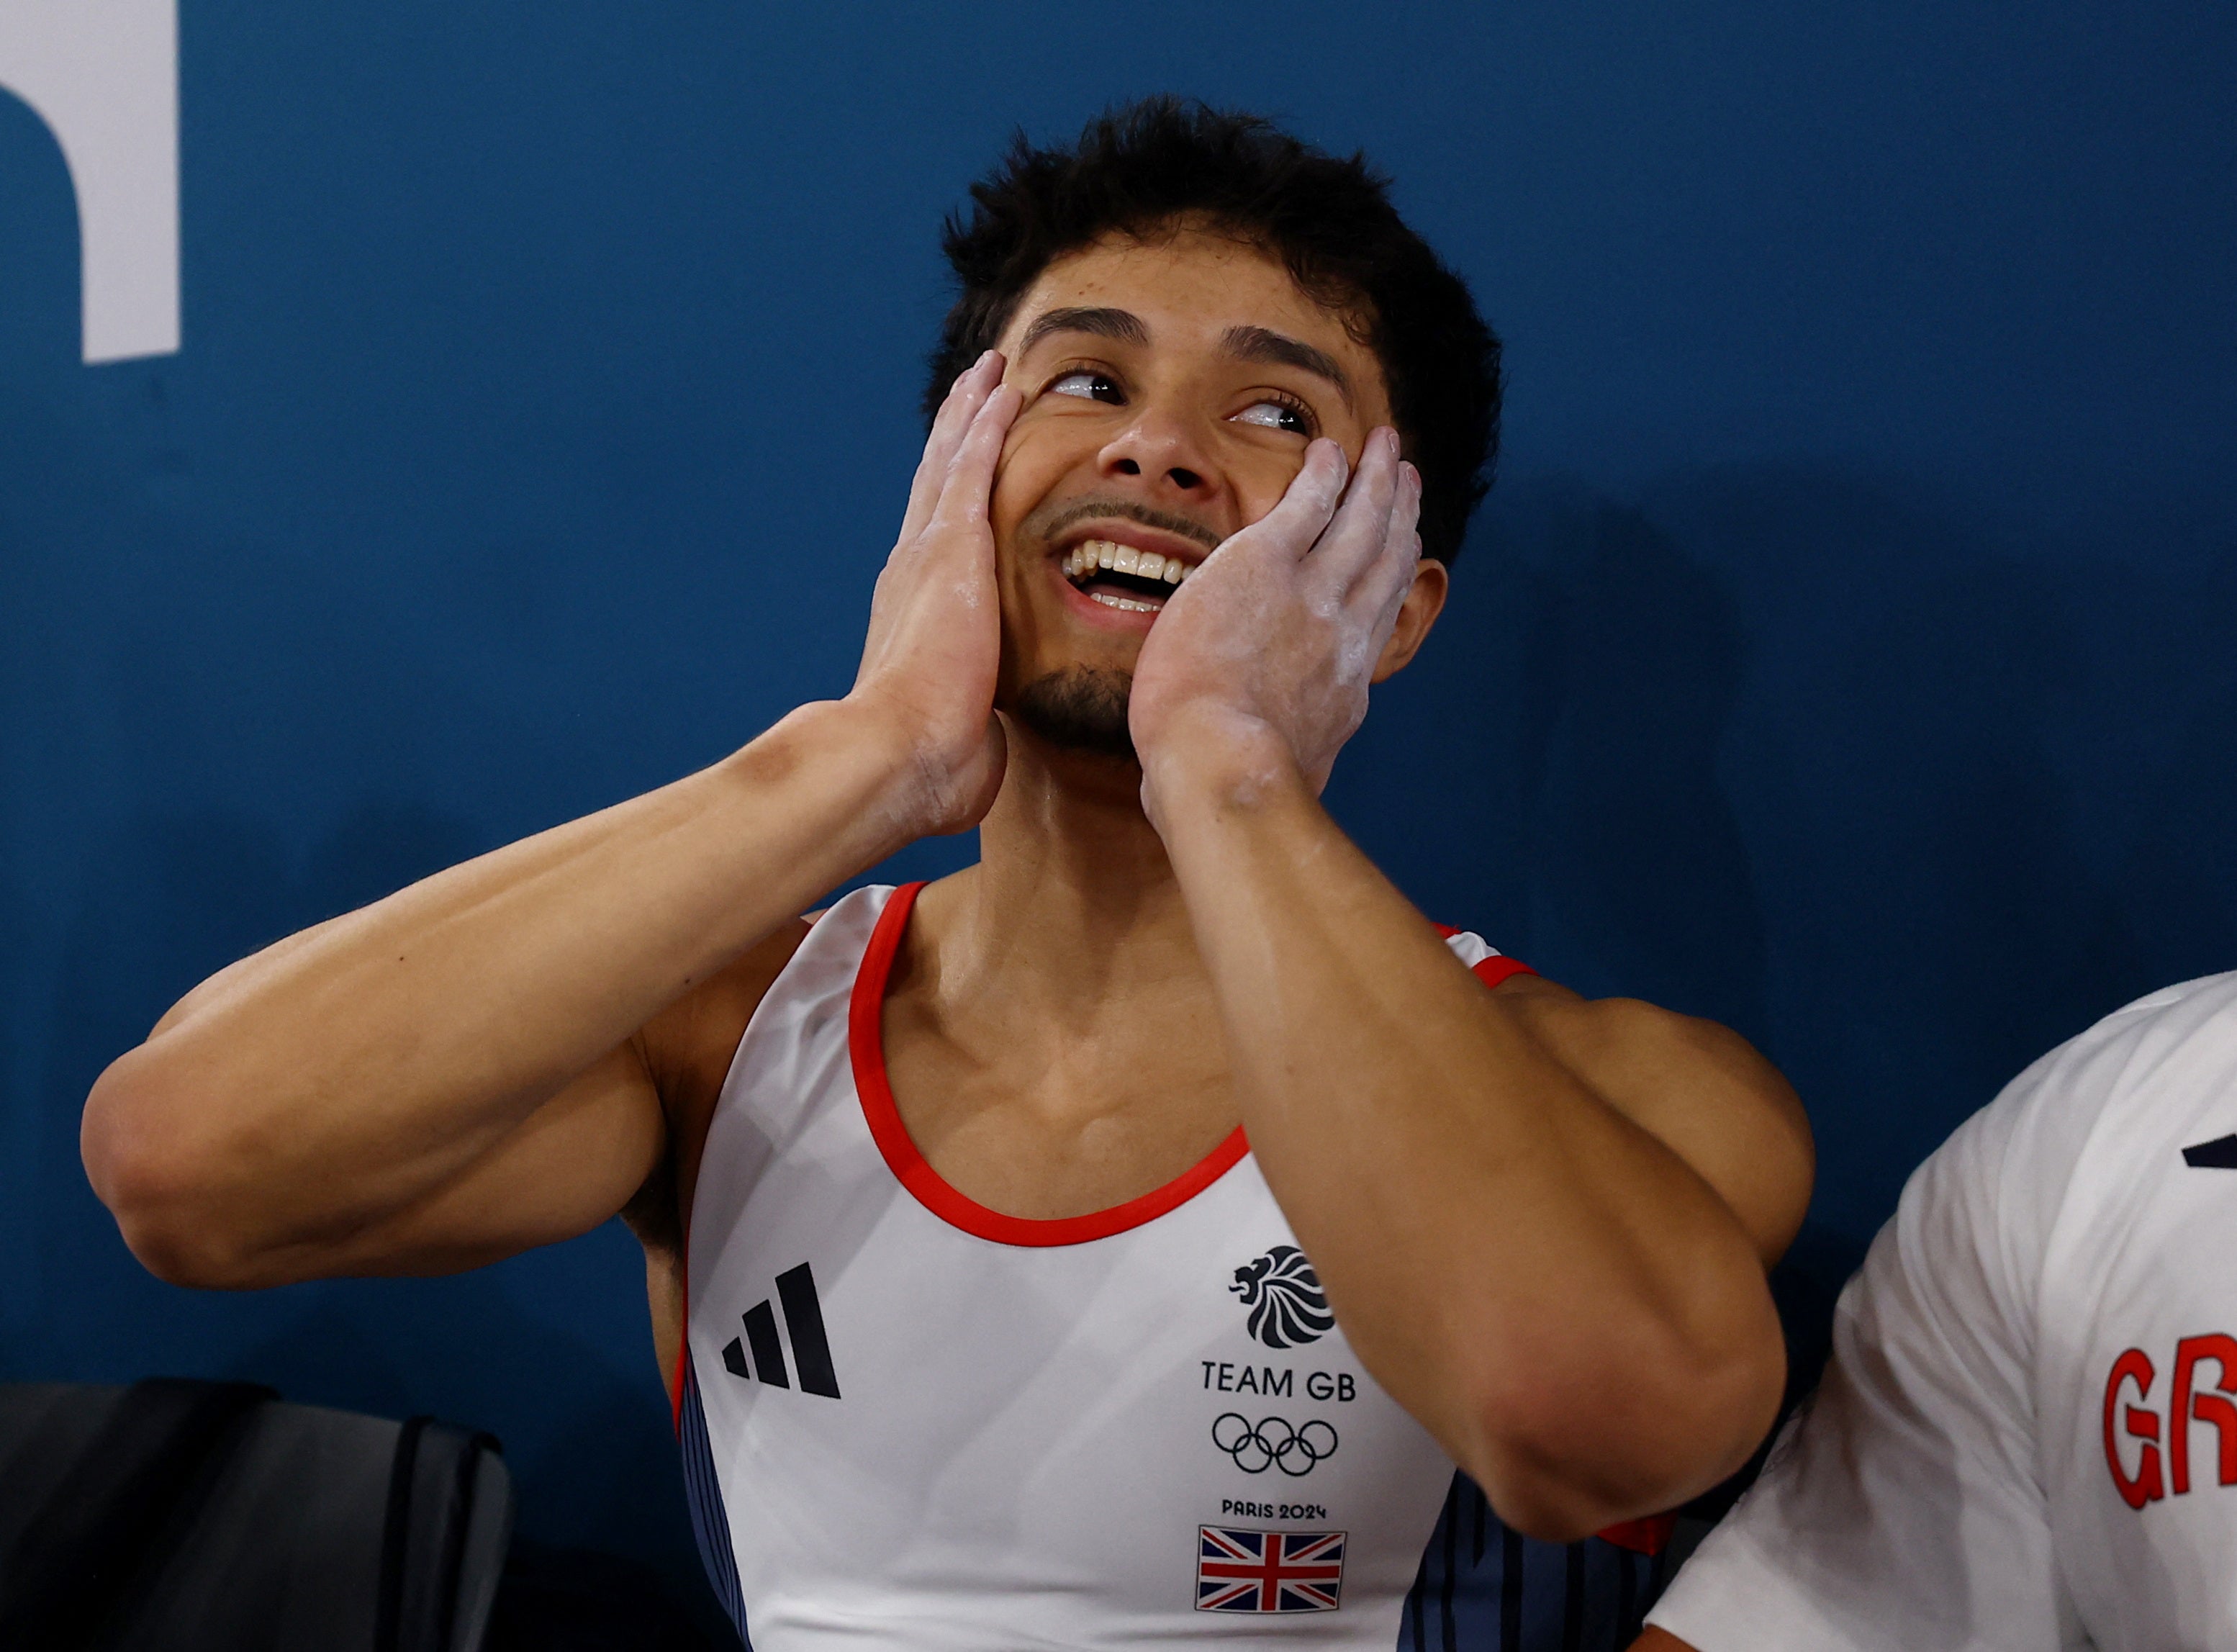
1079	709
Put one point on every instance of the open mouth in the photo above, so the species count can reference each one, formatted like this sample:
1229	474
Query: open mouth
1119	576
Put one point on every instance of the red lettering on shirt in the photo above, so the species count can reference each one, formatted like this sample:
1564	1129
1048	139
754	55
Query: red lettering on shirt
2190	1403
2144	1486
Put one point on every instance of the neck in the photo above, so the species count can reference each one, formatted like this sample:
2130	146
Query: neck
1073	903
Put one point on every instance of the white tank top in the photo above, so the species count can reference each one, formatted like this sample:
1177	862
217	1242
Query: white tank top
909	1420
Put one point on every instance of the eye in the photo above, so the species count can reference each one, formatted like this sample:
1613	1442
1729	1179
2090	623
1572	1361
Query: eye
1275	414
1088	386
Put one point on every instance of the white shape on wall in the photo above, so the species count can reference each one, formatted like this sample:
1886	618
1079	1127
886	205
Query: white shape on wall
103	74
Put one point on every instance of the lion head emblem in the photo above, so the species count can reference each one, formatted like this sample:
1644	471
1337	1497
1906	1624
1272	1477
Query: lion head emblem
1284	1294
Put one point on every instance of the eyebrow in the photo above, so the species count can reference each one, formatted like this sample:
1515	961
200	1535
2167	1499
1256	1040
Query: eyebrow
1257	344
1123	325
1244	343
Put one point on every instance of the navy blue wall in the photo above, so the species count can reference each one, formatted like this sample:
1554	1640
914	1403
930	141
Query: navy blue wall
1845	652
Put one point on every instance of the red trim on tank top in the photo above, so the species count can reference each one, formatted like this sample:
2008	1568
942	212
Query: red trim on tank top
1492	970
682	1343
866	1041
1649	1534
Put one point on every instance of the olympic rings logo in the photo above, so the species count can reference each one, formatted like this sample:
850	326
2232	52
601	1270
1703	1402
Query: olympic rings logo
1274	1443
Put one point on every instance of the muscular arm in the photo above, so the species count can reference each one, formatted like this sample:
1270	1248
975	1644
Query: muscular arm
451	1075
475	1065
1544	1223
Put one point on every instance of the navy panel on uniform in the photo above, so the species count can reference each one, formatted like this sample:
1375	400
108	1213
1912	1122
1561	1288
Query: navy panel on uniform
1483	1587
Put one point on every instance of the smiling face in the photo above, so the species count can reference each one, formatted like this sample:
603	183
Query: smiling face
1171	387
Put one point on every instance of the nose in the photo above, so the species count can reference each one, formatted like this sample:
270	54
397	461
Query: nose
1167	451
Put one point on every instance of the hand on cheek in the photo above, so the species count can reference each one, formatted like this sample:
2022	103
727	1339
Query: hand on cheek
926	678
1260	665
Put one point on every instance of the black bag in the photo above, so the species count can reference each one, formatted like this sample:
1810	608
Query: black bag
192	1516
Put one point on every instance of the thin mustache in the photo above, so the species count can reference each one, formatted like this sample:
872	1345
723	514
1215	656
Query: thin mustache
1148	516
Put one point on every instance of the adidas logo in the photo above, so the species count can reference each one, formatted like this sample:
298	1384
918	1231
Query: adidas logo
811	1351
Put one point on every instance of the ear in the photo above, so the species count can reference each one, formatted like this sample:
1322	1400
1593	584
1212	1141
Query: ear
1424	601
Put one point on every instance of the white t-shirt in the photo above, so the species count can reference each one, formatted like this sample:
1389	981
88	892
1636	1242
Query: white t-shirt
909	1420
2027	1437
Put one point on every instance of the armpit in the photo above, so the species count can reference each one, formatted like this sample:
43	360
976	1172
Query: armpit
654	1214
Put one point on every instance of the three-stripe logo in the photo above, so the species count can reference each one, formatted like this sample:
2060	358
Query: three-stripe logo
811	1350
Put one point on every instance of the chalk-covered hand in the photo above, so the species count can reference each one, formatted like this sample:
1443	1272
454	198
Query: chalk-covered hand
926	680
1260	664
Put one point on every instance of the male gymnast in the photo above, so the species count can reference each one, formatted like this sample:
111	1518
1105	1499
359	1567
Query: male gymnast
977	1217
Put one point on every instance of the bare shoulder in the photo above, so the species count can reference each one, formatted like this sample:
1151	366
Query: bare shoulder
1698	1087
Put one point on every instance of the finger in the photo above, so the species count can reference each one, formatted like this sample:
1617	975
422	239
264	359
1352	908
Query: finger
1302	513
970	481
1392	565
1382	588
965	397
1355	537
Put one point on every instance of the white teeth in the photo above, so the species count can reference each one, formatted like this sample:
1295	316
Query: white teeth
1090	555
1126	603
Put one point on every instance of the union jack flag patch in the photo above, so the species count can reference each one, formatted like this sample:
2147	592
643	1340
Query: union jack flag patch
1268	1571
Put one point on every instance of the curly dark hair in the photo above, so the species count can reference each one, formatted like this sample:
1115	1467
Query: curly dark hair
1139	169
